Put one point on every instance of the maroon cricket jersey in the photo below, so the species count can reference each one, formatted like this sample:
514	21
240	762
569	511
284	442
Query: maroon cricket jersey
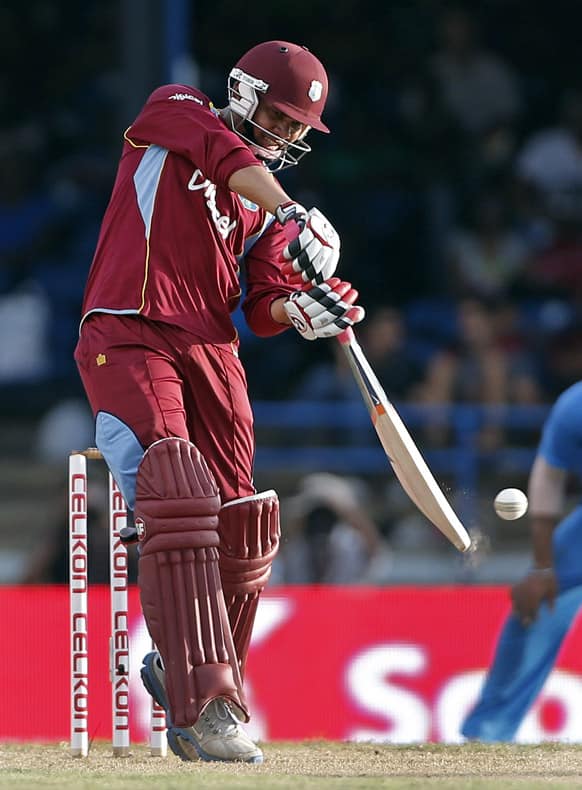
174	235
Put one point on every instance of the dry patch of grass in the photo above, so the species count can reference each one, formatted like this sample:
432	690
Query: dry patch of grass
313	764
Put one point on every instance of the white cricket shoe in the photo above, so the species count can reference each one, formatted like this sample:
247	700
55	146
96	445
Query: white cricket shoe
217	735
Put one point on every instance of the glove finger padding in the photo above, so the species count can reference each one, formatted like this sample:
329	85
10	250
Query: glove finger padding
314	254
314	263
324	310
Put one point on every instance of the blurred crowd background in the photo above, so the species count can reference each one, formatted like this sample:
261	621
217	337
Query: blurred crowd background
454	175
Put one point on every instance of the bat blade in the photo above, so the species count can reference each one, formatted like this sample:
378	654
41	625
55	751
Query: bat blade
407	462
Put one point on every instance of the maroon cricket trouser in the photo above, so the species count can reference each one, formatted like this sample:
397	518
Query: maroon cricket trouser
162	381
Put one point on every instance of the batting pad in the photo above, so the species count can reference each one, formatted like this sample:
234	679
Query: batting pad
177	506
249	532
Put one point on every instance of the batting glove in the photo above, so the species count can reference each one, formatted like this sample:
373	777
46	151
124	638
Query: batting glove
291	211
314	254
324	310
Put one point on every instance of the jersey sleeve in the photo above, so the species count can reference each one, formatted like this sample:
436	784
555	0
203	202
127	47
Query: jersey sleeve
264	281
182	120
561	443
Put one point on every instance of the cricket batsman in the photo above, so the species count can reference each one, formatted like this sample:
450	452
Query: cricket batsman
547	600
194	200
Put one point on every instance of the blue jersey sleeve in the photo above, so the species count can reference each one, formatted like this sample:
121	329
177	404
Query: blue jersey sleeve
561	443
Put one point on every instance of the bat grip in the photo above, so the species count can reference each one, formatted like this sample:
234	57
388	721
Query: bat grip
346	337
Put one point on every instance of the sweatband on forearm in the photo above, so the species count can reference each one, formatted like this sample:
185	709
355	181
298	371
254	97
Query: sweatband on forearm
546	489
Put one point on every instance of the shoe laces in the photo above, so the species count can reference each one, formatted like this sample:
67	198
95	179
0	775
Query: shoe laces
219	718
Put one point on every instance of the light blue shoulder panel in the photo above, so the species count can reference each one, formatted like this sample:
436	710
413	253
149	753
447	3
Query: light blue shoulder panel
146	179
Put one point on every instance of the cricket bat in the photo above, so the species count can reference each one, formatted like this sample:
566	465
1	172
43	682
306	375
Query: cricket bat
408	464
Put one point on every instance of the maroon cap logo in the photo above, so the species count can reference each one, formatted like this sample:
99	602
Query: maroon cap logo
315	90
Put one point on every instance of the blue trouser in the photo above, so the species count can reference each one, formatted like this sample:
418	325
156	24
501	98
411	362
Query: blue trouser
524	656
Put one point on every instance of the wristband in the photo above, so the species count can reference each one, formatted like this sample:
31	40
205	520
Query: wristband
290	211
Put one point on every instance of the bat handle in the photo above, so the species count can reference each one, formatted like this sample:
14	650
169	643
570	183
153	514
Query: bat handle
346	337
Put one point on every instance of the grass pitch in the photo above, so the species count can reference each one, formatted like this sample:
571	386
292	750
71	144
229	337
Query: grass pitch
313	764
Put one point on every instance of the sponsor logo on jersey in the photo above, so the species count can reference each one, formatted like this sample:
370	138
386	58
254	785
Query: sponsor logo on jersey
222	222
248	203
185	97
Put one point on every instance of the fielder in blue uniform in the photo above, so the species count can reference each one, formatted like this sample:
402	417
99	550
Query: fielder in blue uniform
547	600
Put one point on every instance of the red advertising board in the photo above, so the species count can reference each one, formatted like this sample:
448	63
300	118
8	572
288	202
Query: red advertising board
390	664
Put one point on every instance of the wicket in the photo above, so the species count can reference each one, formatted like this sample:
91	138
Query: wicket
119	639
